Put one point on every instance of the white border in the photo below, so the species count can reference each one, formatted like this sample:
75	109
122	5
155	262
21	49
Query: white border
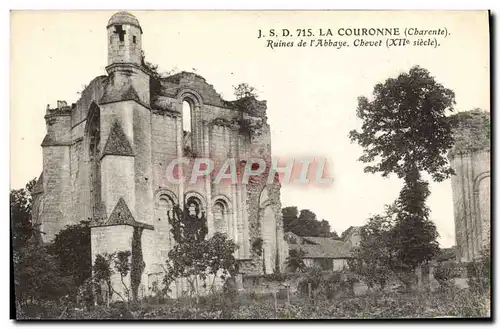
6	6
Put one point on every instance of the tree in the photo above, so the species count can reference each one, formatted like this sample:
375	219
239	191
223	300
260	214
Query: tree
307	215
220	257
20	215
102	272
333	234
187	227
305	223
122	266
290	214
71	246
414	234
36	277
295	260
373	258
405	126
36	272
193	257
244	90
406	132
258	249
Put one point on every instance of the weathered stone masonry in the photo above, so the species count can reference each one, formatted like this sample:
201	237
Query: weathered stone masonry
470	158
105	159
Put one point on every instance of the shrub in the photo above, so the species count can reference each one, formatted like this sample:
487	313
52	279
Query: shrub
295	262
479	272
313	278
445	303
229	289
444	272
332	285
328	284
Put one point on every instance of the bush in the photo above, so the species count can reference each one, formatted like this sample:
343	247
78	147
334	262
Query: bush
445	272
328	284
229	289
445	303
332	285
313	278
478	277
479	272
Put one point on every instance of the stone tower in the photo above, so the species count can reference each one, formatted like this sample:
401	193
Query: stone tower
125	39
105	159
470	158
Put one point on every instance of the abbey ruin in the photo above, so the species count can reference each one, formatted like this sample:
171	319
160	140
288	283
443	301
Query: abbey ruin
105	159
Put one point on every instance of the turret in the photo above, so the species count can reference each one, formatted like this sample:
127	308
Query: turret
124	39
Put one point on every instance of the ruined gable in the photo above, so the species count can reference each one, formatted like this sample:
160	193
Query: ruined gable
121	215
118	143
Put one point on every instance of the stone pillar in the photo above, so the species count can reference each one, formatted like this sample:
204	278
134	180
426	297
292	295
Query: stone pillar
234	217
239	217
180	153
233	226
199	136
469	179
420	283
239	282
208	179
228	138
229	221
431	276
246	242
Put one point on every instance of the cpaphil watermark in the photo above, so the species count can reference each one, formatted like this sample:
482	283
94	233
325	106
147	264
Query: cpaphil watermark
297	170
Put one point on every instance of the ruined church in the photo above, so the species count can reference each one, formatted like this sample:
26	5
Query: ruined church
105	159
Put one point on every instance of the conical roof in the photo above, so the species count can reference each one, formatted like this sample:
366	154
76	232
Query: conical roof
123	17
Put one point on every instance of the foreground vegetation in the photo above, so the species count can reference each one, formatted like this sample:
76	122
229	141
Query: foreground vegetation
449	303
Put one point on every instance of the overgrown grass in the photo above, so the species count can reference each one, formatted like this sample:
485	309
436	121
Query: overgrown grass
449	303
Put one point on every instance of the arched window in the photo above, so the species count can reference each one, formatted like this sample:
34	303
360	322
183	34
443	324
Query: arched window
194	207
187	128
221	216
163	209
195	220
186	116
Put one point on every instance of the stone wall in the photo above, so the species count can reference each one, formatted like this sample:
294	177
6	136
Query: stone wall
150	137
471	200
143	172
117	175
110	239
55	204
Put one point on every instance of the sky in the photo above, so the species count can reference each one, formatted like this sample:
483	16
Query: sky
311	93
